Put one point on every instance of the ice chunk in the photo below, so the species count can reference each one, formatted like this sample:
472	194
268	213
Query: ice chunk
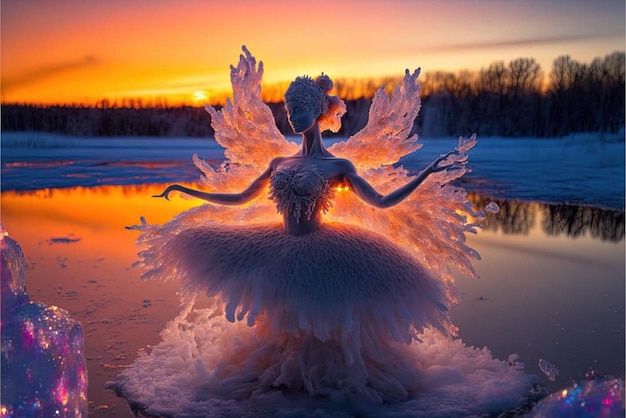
492	207
12	273
591	398
513	361
513	358
549	369
44	370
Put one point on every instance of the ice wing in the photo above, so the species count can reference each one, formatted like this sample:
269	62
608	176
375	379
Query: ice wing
387	135
245	126
431	223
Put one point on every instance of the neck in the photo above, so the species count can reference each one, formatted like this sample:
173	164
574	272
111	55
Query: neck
312	144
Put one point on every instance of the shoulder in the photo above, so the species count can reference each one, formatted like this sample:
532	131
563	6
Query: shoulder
345	166
334	166
276	162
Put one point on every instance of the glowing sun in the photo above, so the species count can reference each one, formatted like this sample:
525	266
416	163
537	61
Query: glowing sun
199	96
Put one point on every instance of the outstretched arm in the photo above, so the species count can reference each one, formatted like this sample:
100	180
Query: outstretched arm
369	195
232	199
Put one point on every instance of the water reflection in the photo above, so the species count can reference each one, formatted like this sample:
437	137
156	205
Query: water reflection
575	221
517	217
542	294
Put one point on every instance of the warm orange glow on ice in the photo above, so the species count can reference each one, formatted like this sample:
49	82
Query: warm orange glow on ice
102	212
89	202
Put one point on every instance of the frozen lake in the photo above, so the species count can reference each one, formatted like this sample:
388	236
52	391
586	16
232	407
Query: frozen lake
583	169
552	268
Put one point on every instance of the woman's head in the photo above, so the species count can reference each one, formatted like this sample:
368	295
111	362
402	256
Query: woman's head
311	96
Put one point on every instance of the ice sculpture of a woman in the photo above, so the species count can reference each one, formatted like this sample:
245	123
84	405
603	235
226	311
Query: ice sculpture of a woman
331	307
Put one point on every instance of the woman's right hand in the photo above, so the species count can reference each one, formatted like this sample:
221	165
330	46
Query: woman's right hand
166	192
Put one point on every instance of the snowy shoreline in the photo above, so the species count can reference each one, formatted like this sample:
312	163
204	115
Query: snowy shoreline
582	169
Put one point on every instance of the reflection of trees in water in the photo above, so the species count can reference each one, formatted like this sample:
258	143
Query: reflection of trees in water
517	217
512	218
575	221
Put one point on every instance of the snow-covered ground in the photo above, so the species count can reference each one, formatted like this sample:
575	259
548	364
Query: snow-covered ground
585	169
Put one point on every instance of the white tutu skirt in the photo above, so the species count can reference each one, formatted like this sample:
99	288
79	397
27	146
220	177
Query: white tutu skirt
331	310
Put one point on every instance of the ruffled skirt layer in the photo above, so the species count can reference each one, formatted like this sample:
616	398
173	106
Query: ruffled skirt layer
330	310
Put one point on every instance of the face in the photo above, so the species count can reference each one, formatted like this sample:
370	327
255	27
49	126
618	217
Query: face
301	119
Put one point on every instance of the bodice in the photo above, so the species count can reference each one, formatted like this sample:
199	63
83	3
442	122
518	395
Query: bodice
300	192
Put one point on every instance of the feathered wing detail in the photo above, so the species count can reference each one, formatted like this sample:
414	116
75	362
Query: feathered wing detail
433	220
387	135
431	223
246	128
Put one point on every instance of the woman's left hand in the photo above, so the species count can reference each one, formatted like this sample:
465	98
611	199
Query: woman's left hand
434	167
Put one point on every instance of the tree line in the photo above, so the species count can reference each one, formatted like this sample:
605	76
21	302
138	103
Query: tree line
504	99
512	100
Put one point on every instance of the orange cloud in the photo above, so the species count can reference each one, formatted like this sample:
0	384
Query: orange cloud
47	71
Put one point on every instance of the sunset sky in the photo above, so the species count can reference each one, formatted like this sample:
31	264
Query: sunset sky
81	51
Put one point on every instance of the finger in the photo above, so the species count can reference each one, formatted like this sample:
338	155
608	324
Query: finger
441	159
445	156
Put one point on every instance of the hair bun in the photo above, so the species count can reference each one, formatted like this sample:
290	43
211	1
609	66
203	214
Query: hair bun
325	83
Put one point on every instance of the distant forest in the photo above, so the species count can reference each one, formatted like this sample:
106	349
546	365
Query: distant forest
501	100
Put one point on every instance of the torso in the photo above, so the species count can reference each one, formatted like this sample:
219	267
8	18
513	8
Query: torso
302	188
